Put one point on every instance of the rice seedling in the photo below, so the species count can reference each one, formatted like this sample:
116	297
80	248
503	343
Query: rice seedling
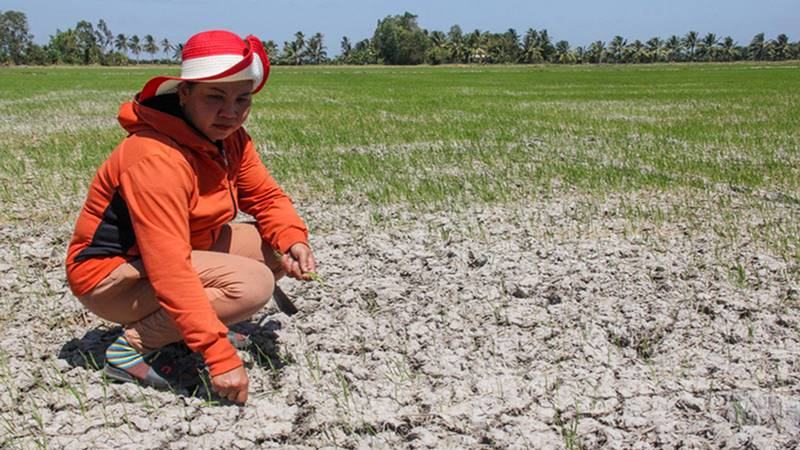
78	393
313	365
311	274
569	429
204	388
345	386
40	436
398	371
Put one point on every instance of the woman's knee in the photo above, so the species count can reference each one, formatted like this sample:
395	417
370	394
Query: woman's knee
257	286
236	286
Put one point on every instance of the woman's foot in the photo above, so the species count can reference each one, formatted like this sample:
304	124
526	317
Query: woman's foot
125	363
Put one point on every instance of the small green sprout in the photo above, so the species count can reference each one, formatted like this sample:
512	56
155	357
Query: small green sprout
311	274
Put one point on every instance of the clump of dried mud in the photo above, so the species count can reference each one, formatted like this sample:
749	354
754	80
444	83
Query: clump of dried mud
556	323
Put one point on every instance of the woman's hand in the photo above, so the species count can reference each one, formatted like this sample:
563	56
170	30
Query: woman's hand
232	385
299	262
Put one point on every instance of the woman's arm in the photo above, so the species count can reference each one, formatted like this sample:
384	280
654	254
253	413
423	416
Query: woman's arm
158	191
261	197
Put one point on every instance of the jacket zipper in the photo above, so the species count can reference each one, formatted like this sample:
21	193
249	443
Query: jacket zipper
227	177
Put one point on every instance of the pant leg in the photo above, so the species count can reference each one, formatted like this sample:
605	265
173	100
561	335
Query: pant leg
244	239
124	296
237	284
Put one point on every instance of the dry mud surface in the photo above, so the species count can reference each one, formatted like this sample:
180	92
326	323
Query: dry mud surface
559	323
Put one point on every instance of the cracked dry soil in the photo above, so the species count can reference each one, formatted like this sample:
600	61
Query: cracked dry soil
529	326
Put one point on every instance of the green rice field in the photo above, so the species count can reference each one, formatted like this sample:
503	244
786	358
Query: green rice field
445	134
436	137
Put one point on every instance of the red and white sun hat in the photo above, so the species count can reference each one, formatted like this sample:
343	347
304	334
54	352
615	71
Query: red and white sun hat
215	56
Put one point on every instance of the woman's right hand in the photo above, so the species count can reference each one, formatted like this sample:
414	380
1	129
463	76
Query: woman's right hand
299	261
232	385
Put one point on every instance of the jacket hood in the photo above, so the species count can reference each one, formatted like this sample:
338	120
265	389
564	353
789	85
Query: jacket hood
163	115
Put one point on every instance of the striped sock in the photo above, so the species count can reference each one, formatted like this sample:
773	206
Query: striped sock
125	363
121	355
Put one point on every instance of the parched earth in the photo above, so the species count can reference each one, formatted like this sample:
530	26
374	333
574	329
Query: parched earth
566	322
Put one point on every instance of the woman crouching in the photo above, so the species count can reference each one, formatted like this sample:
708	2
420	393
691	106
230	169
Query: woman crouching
154	249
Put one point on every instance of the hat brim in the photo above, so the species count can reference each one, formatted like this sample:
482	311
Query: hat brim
253	66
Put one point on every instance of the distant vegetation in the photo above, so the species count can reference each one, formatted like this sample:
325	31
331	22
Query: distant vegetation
397	40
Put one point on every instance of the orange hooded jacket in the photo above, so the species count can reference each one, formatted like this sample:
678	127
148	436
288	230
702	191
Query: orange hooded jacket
167	190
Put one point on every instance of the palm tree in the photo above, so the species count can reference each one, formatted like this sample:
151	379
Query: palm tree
438	52
757	50
476	45
616	49
104	35
363	53
545	45
88	42
135	46
494	48
728	49
781	48
635	52
511	48
579	54
287	54
690	42
563	55
166	46
537	47
150	46
294	51
121	43
655	49
347	47
177	52
708	47
528	45
298	48
438	39
596	52
315	49
455	42
271	48
672	47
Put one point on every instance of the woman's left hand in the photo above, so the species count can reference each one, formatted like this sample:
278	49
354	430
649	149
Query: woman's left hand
299	262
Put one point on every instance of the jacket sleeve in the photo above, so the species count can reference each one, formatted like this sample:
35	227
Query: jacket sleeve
158	192
261	197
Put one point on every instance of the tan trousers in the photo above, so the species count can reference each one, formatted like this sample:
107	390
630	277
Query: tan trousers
238	274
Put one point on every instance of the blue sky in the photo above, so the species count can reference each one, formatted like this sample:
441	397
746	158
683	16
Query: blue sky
579	21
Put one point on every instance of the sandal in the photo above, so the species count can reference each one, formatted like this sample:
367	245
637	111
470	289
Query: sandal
125	364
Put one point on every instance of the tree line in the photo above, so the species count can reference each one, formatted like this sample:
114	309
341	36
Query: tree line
397	40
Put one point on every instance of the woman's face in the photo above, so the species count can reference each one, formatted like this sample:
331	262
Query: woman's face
216	109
